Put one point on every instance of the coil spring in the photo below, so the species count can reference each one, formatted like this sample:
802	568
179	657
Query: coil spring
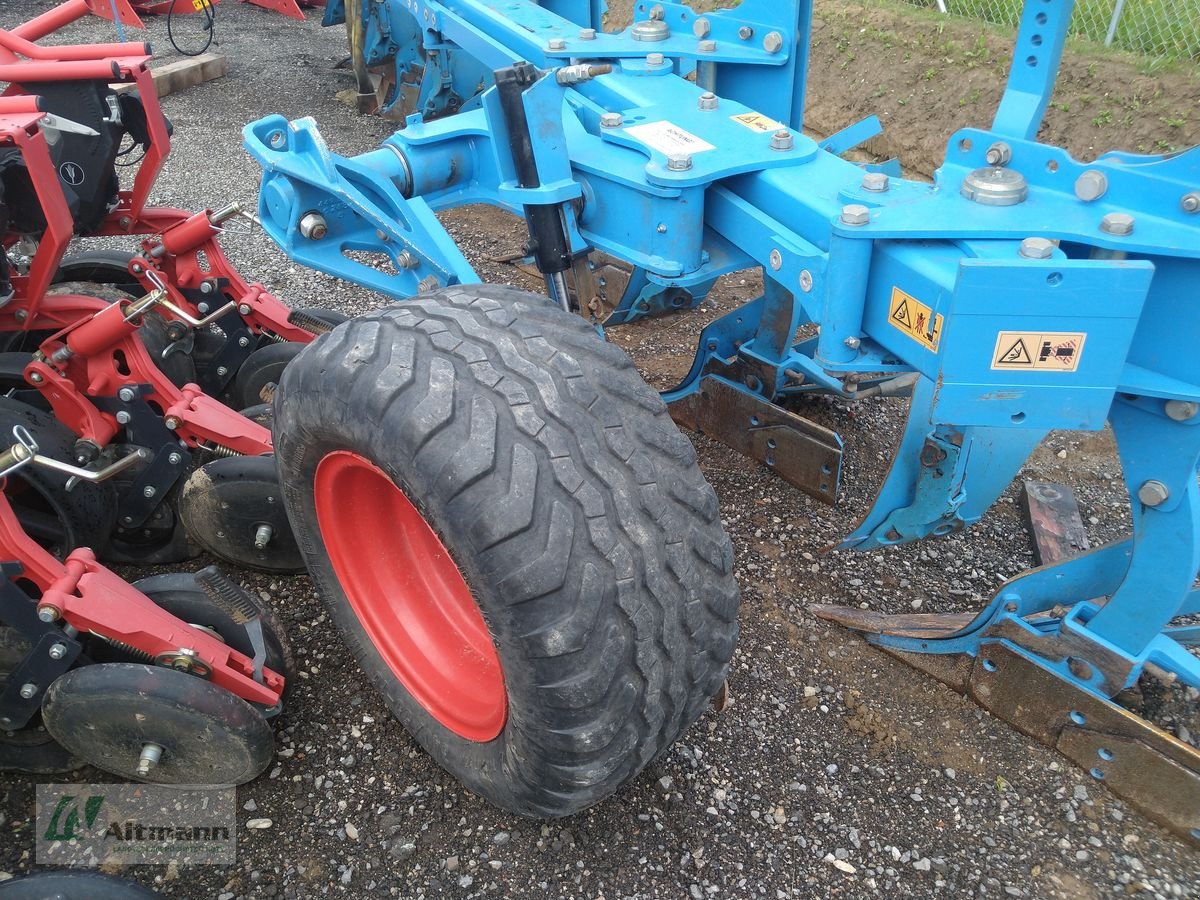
221	451
141	655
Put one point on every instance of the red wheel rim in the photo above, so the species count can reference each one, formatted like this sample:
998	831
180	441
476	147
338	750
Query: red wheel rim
410	596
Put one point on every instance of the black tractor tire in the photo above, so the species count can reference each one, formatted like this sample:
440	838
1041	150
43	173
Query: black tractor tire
58	519
574	510
109	267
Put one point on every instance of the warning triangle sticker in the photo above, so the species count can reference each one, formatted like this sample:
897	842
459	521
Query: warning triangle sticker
901	315
1016	355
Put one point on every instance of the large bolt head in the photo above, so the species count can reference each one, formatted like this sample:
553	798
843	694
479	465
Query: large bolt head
702	28
655	59
57	651
708	101
1091	185
1153	493
587	34
999	154
611	120
773	42
1117	223
707	46
1037	248
876	182
48	614
679	162
28	690
1190	203
556	44
855	214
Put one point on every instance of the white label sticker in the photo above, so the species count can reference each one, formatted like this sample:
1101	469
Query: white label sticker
1052	351
667	138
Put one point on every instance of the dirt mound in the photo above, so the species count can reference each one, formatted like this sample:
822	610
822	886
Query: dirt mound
927	75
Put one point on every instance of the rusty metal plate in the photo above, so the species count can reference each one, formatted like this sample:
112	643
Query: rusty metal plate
803	453
1052	513
1143	765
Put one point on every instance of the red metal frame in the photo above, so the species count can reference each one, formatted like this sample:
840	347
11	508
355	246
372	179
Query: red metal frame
104	351
92	599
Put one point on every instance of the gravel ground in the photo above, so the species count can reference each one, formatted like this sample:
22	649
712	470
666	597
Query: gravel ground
837	771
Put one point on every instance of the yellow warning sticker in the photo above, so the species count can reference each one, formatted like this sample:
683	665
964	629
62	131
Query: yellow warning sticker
757	122
1051	351
915	319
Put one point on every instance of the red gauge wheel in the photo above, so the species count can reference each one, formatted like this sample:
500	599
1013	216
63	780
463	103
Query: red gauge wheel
409	595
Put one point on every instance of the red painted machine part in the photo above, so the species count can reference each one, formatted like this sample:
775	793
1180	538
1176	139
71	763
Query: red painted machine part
410	596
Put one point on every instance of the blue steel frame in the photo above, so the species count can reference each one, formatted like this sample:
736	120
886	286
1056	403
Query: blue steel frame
1120	304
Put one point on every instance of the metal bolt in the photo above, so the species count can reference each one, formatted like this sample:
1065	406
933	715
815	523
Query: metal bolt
655	59
277	139
28	690
998	154
776	259
428	284
244	309
137	269
174	458
708	101
611	120
1091	185
407	261
657	13
1117	223
782	140
262	536
587	34
557	44
149	491
222	371
702	28
123	417
855	214
203	307
773	42
806	281
313	226
745	32
48	613
243	341
1153	493
35	377
661	229
707	46
1190	202
1036	248
679	162
171	422
876	182
126	394
21	315
853	343
57	651
1181	410
148	759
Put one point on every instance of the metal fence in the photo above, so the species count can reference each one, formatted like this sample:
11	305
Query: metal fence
1167	29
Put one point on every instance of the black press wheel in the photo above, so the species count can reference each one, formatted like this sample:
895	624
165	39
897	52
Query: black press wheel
513	537
108	714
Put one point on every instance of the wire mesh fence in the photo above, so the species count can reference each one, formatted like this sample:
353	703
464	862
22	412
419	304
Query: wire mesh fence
1168	29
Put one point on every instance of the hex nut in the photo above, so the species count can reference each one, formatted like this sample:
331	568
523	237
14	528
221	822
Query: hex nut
1117	223
1037	248
1091	185
855	214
